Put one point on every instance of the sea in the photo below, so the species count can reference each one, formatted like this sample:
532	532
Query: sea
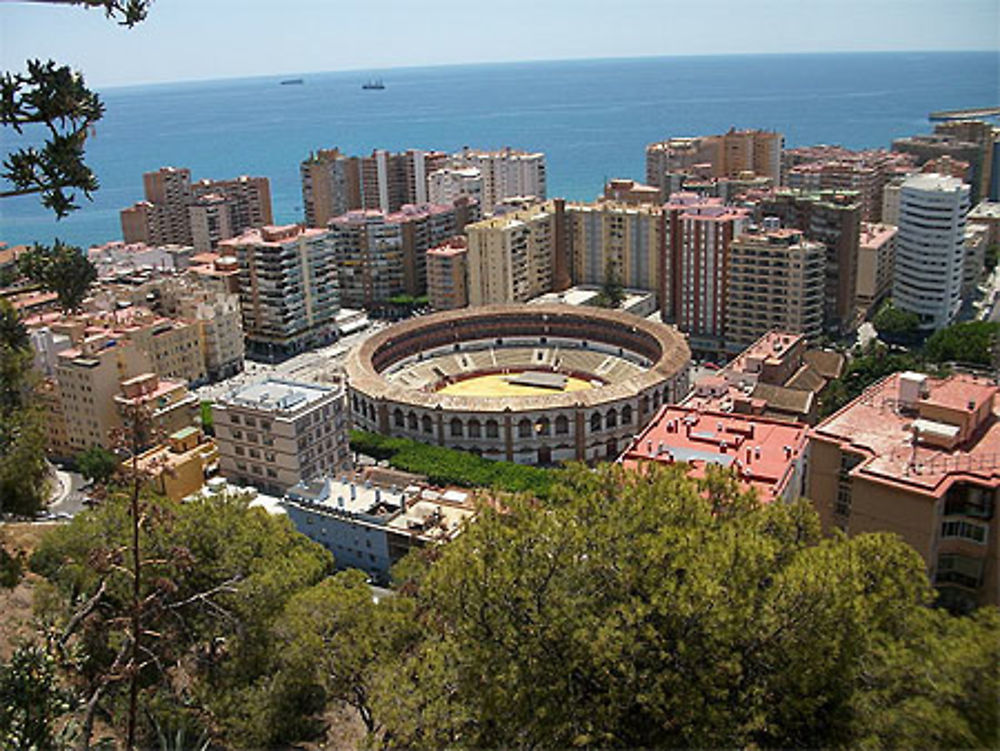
592	119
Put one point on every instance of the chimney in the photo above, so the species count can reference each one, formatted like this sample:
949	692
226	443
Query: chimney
749	455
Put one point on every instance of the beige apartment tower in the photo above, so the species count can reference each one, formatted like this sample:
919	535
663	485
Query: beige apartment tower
775	281
517	256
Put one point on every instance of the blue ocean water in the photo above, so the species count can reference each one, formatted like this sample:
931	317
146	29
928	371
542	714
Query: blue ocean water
591	118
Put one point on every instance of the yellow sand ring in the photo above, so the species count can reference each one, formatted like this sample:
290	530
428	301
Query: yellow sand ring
497	384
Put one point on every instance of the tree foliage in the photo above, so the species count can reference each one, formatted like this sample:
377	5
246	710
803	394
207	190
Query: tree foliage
32	703
972	343
216	576
97	464
896	325
23	471
612	293
54	99
62	269
636	612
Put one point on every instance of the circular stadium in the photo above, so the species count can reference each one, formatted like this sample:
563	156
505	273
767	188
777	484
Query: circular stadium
536	384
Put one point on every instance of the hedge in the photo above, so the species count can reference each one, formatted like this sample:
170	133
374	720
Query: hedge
444	466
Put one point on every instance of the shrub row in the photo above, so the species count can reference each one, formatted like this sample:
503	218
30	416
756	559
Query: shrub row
445	466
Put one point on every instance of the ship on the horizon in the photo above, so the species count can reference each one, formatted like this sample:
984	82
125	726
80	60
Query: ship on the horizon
373	83
292	82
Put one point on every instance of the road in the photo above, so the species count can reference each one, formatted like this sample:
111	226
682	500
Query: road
317	366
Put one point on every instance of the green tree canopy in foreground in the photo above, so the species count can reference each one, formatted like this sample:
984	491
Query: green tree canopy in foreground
628	610
216	576
628	614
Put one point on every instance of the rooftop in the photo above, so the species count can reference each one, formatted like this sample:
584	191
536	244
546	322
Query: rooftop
276	395
763	451
920	433
933	181
876	235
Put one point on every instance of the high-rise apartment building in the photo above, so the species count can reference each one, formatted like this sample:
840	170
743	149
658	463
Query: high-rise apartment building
288	288
172	348
917	456
276	433
609	240
448	184
930	248
447	274
334	183
816	168
382	255
975	142
175	211
876	256
506	173
834	219
517	256
88	377
774	280
697	235
727	155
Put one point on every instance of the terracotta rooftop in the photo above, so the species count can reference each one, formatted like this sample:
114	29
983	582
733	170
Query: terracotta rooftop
763	451
879	425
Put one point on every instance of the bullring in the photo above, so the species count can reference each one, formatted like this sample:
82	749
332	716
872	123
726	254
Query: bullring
621	369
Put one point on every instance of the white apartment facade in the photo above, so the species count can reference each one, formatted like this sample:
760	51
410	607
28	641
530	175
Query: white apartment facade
930	248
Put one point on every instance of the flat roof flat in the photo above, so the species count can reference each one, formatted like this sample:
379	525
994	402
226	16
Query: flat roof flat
275	395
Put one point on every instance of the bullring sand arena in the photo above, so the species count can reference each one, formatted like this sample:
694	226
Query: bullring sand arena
533	384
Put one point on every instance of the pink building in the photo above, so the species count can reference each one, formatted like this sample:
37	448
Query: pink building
697	237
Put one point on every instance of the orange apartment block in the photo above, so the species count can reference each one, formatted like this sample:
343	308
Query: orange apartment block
919	457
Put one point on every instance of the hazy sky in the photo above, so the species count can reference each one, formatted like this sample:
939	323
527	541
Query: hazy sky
204	39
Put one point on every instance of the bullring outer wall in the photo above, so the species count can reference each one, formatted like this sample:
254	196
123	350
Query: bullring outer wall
589	425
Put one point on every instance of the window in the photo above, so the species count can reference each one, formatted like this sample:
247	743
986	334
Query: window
240	451
426	424
595	422
964	529
492	429
969	500
456	428
959	569
611	421
626	415
397	418
475	429
562	425
524	429
234	419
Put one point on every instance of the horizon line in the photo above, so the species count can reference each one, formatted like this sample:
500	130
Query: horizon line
536	61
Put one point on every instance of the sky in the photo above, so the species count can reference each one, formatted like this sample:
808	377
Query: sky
210	39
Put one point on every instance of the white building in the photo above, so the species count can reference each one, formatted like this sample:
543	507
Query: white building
275	433
371	528
446	185
506	173
930	248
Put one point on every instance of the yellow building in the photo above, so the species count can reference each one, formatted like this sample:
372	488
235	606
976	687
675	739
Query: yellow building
179	466
516	256
616	237
919	457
